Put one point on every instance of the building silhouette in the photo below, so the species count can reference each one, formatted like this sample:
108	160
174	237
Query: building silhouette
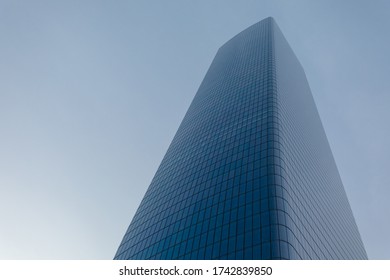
249	173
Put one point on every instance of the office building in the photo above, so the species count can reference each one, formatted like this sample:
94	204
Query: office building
249	173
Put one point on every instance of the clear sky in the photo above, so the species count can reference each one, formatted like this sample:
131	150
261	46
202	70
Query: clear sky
92	93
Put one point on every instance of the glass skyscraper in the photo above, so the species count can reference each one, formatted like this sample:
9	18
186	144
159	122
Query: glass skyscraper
249	173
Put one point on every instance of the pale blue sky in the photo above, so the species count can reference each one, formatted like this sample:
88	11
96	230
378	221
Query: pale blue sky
92	92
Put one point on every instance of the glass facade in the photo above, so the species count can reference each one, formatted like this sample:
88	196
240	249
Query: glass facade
249	173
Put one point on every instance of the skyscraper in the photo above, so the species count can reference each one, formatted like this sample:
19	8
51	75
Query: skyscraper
249	173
